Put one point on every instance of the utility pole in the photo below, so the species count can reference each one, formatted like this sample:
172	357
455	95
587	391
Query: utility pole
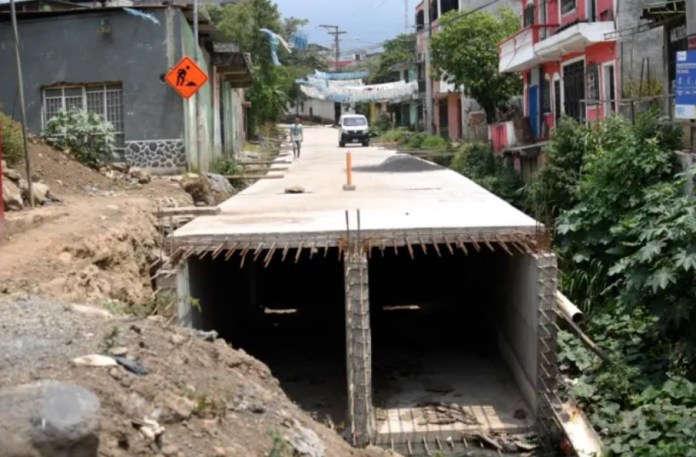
691	35
428	113
196	99
336	32
20	83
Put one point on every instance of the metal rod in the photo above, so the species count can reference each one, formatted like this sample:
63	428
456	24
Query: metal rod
22	110
311	249
437	248
271	251
586	340
258	252
423	246
502	244
218	251
299	252
410	248
449	245
285	251
462	245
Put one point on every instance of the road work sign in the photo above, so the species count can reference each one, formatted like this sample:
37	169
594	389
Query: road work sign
186	77
686	85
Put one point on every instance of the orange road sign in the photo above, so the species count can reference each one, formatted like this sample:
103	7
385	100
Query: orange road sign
186	77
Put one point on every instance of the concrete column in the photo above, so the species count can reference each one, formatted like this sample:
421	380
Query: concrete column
183	294
358	349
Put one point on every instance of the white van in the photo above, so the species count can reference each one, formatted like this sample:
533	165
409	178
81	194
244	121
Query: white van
353	128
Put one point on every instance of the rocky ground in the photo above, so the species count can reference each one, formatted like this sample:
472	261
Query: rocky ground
95	242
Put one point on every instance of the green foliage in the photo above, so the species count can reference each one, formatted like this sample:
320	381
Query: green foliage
434	143
400	50
225	165
466	50
87	135
280	446
635	88
477	162
273	87
12	141
394	135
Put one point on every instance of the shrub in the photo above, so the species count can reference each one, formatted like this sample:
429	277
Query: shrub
12	142
393	135
434	143
87	135
225	165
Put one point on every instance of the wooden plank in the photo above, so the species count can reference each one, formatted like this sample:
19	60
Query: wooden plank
254	176
188	211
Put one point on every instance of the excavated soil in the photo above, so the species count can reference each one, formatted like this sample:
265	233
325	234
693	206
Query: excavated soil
211	400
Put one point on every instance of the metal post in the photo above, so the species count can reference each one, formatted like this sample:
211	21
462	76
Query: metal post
20	83
196	98
691	32
428	116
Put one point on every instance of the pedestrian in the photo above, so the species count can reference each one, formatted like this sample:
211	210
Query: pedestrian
296	136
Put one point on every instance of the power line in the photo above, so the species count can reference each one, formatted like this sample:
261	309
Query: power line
336	32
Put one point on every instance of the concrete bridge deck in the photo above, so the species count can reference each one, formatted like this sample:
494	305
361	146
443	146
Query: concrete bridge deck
427	198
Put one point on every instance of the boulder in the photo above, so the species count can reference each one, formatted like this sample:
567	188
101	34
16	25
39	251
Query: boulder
140	175
12	175
49	419
11	196
220	187
198	187
41	192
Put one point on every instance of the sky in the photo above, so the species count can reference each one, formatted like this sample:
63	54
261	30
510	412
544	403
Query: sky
368	22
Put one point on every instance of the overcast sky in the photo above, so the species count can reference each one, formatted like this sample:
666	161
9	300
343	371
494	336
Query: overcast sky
368	22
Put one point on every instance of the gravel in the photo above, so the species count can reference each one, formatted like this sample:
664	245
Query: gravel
400	164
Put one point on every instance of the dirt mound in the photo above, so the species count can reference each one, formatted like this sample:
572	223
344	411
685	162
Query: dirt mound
95	250
60	171
400	164
210	400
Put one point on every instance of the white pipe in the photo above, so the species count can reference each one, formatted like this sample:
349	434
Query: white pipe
568	309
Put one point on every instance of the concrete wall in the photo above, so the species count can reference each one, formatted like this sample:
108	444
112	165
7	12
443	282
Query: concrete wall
311	108
635	48
518	318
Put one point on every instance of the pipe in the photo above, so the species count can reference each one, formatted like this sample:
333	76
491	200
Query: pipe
569	310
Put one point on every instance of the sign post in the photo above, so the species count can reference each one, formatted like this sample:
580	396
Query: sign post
186	77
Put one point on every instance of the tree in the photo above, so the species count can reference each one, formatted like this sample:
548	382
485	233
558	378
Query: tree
466	51
401	49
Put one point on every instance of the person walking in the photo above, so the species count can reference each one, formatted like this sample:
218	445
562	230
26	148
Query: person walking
297	137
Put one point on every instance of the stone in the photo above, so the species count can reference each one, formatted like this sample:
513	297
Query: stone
11	196
177	339
118	351
198	187
142	176
12	175
49	419
170	451
95	360
219	451
305	442
295	190
41	193
175	408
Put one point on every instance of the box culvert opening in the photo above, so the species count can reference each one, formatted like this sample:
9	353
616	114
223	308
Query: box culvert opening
454	342
288	314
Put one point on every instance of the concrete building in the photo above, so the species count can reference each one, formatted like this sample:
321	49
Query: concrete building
580	58
454	115
384	302
112	61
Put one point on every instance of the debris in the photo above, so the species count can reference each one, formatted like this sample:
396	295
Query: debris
490	441
400	164
177	339
207	336
95	360
198	187
175	408
131	365
305	442
520	414
170	451
150	429
295	190
90	310
140	175
11	196
118	351
49	418
12	175
436	413
41	193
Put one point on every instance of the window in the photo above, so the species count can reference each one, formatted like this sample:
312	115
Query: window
448	5
567	6
609	89
354	122
528	16
103	99
574	90
592	77
545	96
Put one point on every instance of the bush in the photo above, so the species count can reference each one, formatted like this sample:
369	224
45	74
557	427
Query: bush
393	135
87	135
12	142
434	143
225	165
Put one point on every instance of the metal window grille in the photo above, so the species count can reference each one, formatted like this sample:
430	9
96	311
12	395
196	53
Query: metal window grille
103	99
567	6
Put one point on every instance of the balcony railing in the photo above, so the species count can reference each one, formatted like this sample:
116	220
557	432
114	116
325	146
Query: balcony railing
517	52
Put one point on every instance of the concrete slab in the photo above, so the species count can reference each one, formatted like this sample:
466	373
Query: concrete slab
437	199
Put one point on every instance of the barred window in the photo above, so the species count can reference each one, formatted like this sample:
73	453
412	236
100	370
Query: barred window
103	99
567	6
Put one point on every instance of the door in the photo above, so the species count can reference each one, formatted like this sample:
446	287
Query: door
557	99
609	90
533	94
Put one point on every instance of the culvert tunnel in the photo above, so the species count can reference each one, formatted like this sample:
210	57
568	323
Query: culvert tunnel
419	342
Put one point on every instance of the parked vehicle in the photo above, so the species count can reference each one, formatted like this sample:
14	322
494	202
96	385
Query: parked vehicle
353	128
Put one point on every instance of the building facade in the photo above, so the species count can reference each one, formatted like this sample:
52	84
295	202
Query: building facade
455	116
112	61
581	58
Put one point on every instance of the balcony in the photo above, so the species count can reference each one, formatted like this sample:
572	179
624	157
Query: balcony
536	44
573	39
517	52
